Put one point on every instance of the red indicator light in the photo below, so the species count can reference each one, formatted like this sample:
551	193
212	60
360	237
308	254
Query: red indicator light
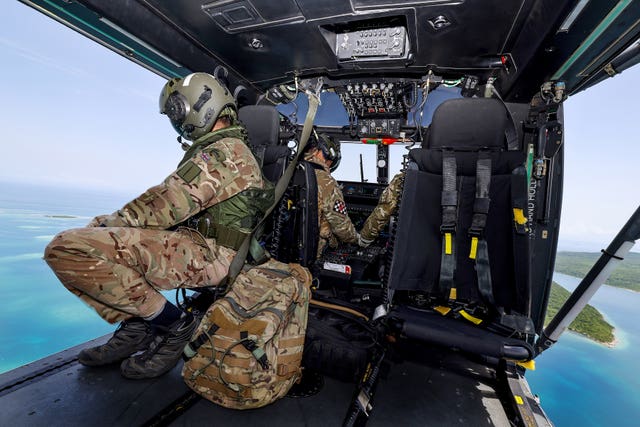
383	141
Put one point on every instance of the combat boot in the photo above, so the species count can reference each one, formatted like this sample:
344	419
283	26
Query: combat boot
132	335
163	353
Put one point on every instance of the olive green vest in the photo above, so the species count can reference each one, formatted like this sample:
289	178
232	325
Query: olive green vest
230	220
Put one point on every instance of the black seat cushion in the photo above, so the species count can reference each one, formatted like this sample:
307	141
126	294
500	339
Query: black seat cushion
262	123
263	126
468	123
429	326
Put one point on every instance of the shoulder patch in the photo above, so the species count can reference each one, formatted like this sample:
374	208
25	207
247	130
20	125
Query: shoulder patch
340	207
215	152
189	171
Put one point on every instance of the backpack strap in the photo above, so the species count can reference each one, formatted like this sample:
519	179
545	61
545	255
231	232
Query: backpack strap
191	349
257	352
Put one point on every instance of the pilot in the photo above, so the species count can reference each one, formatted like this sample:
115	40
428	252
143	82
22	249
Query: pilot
382	212
323	152
182	233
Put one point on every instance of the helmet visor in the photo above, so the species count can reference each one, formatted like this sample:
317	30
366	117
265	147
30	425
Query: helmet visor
176	108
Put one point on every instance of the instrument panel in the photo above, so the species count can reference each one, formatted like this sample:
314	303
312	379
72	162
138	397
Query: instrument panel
349	266
373	99
361	192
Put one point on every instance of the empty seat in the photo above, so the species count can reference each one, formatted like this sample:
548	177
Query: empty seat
460	258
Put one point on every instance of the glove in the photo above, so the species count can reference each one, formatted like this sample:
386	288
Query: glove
97	221
362	242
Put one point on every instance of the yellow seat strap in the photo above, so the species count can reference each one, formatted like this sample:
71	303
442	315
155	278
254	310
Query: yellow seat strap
442	309
474	248
470	318
529	364
447	243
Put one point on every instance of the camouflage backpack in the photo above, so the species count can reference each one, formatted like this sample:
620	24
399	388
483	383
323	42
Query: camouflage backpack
247	350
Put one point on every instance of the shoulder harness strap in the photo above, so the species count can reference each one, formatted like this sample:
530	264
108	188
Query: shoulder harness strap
479	250
449	203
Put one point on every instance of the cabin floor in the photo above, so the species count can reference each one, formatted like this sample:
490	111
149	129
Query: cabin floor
444	389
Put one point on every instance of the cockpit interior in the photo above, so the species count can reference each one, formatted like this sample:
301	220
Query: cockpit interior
463	99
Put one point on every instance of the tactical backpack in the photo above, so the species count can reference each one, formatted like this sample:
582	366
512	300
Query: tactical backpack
247	350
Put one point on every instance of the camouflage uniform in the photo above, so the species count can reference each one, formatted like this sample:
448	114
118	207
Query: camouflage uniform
386	206
119	262
334	222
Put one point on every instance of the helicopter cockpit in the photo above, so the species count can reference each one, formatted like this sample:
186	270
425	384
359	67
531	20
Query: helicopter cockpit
453	265
464	101
389	119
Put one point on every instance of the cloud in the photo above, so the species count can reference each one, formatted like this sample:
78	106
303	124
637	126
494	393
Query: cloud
20	257
12	47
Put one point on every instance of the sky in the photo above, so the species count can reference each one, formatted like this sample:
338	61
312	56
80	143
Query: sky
76	114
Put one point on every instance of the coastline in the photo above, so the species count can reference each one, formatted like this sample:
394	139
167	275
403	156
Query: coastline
609	344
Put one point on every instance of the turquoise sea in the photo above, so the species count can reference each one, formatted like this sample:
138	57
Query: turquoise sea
580	383
39	316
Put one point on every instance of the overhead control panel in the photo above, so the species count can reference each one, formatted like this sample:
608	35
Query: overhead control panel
377	108
374	100
371	44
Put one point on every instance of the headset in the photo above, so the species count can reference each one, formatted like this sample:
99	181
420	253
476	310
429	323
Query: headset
329	147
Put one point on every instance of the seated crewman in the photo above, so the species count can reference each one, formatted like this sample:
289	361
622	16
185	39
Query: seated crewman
182	233
335	225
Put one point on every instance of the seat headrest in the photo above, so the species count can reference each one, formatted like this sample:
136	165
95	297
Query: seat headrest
468	122
262	123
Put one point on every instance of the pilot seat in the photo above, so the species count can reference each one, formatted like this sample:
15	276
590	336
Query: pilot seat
294	235
263	127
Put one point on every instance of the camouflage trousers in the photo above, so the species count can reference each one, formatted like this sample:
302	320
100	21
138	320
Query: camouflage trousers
119	271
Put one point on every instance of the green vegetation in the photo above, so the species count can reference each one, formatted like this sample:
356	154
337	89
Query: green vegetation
589	322
577	264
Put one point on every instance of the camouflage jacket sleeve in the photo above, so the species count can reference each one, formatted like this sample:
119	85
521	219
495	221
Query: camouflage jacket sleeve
334	209
216	173
386	206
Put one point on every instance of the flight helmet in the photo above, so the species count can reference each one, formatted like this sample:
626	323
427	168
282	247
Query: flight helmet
330	149
193	103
